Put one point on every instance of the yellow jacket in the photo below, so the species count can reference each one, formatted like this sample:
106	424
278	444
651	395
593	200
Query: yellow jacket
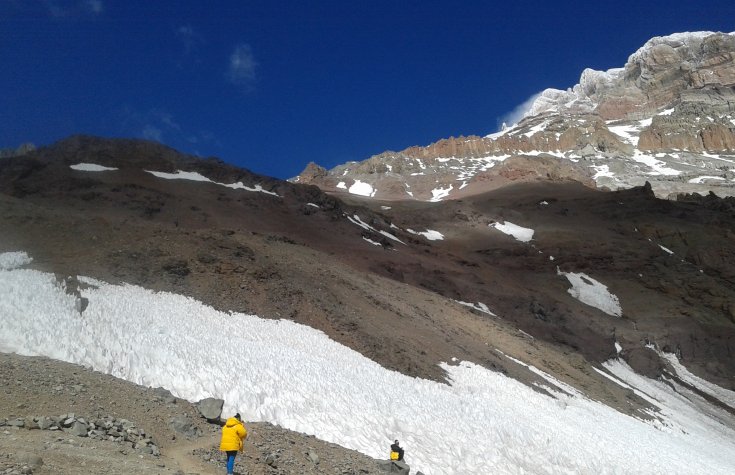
233	434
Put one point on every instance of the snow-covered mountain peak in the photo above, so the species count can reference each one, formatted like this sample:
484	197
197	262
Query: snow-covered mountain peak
666	116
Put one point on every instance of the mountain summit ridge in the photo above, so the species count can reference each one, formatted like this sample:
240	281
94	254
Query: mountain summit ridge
667	116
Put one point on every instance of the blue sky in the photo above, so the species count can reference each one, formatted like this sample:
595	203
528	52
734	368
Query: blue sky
272	85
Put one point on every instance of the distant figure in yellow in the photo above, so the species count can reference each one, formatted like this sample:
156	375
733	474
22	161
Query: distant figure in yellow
396	452
233	434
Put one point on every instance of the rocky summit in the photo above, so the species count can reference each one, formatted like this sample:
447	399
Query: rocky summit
667	117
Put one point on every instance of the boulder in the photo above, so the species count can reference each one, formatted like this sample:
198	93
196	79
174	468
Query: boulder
394	466
164	395
210	408
81	304
644	361
184	425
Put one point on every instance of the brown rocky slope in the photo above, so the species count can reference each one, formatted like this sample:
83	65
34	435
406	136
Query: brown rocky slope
303	255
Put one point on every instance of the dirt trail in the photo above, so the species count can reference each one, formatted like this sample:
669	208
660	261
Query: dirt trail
181	455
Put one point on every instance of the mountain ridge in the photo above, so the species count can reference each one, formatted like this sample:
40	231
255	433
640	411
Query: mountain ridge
667	116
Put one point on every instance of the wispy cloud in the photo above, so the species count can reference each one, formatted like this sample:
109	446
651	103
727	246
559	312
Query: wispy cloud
518	111
161	126
151	132
242	67
95	6
55	10
72	9
190	40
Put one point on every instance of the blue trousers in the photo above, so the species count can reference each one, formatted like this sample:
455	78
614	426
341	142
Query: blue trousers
231	461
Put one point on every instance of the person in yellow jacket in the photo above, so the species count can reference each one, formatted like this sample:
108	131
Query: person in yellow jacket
233	433
396	451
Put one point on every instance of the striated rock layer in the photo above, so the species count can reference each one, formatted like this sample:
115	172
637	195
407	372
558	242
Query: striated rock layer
667	116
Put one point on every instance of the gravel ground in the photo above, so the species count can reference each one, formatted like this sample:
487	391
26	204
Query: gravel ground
35	386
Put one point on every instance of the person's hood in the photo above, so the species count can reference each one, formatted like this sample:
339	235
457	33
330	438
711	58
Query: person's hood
232	422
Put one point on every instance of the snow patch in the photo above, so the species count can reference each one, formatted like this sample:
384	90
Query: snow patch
429	234
355	219
91	167
14	260
362	189
240	186
535	129
724	395
700	179
438	193
479	306
194	176
295	376
519	232
342	185
180	175
602	171
658	167
593	293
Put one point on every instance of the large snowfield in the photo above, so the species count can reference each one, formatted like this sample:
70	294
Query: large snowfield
288	374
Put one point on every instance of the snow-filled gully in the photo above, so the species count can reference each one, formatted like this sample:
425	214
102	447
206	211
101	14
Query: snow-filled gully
292	375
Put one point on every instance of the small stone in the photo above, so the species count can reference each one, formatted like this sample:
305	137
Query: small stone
313	457
79	429
271	459
44	423
32	461
16	423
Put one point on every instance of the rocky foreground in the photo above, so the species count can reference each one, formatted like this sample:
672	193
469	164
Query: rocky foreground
59	418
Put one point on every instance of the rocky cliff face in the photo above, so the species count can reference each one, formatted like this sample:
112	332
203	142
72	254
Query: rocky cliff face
667	116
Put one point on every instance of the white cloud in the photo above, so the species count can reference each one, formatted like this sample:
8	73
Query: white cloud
94	6
191	40
518	111
242	66
55	10
162	126
73	9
